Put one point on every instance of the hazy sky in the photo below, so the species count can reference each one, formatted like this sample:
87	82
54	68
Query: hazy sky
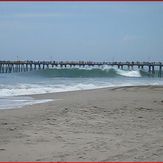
81	31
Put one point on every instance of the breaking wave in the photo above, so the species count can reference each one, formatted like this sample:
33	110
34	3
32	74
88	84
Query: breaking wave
71	79
105	71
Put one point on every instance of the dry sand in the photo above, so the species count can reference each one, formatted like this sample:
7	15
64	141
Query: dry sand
111	124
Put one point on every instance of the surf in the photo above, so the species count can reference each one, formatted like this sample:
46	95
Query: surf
71	79
85	72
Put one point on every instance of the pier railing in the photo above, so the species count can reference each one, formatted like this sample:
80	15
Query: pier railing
22	66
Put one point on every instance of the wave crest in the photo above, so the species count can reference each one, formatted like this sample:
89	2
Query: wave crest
105	71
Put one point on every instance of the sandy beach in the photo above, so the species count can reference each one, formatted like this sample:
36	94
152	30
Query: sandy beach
110	124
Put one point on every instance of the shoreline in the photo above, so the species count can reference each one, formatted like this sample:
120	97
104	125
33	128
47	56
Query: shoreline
41	98
36	97
105	124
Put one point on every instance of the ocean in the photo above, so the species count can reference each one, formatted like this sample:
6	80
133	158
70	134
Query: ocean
14	86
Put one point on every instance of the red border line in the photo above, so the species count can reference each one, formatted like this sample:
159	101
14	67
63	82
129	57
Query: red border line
84	162
81	1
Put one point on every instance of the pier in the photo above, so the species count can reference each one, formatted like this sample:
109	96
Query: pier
23	66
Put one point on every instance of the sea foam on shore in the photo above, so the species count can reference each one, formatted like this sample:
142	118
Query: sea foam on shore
20	101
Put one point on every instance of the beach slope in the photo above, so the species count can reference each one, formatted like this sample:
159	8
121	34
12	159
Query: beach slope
110	124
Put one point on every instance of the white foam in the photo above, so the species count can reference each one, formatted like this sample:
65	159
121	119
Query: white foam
28	89
126	73
18	102
73	85
132	73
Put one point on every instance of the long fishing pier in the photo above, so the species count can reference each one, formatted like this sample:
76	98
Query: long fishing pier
23	66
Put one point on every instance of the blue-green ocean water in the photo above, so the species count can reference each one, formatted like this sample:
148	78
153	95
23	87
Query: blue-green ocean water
13	85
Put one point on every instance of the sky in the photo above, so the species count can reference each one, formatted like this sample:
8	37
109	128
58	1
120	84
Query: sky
91	31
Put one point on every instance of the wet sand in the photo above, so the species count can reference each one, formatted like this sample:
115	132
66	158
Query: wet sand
111	124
